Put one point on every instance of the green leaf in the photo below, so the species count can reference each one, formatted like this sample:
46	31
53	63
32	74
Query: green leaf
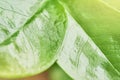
82	59
100	19
92	52
31	33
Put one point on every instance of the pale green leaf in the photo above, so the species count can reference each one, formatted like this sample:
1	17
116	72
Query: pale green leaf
82	59
92	53
31	32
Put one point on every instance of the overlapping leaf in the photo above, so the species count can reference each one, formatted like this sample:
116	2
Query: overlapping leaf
82	59
87	61
31	33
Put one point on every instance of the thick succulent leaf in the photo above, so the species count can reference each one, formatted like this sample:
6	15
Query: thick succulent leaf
31	32
101	20
81	58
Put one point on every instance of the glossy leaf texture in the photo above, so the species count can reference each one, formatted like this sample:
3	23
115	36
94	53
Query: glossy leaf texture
100	20
31	32
82	59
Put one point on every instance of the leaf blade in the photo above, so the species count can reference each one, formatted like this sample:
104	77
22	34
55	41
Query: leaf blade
33	47
81	59
100	20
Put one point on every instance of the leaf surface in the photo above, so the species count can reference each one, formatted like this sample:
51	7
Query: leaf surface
91	48
31	32
101	23
82	59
